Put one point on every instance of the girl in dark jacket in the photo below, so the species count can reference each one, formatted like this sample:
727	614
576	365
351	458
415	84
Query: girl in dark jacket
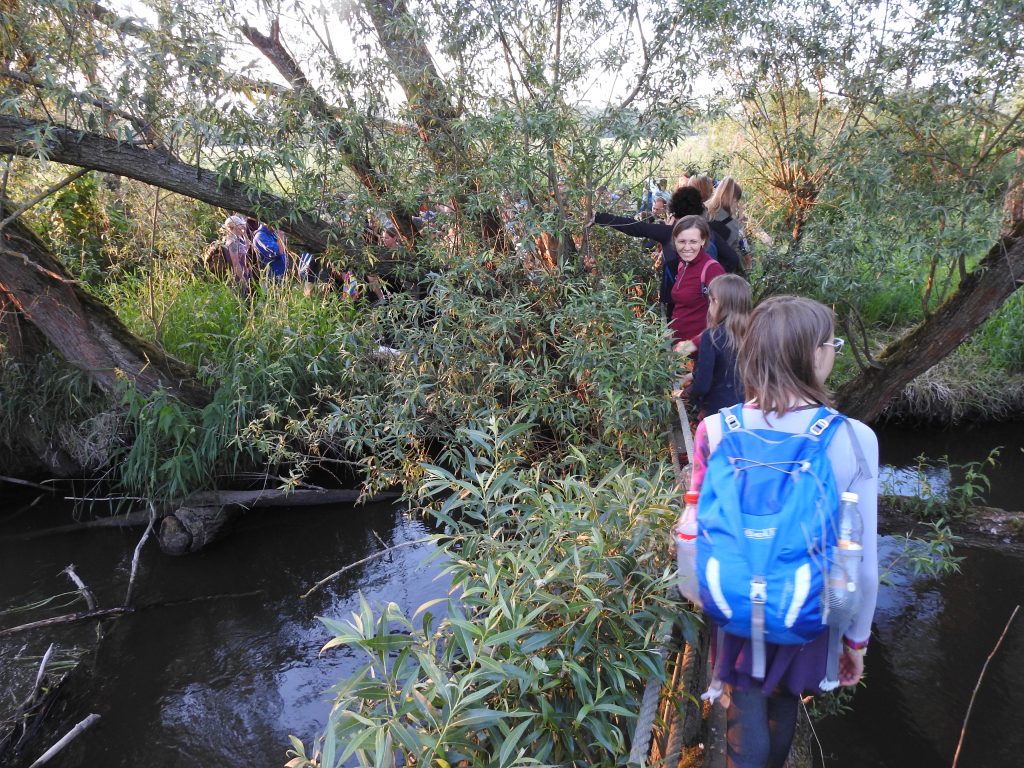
716	380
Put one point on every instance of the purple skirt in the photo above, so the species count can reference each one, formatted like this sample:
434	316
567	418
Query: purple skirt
796	668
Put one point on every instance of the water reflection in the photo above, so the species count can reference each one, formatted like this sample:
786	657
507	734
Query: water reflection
931	639
900	446
226	679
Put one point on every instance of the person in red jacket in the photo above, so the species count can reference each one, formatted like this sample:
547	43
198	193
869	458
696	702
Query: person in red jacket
690	291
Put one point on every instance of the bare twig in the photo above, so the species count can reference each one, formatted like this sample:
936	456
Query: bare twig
66	739
39	677
977	685
814	732
43	195
37	267
374	556
138	550
82	589
68	618
27	483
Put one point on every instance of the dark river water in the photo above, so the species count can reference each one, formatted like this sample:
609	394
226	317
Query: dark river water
223	662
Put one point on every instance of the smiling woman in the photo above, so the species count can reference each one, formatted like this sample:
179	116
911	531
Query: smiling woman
696	269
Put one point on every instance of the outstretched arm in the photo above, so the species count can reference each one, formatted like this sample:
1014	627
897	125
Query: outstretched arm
661	233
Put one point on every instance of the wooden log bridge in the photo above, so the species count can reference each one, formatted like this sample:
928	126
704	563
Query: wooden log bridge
675	728
203	517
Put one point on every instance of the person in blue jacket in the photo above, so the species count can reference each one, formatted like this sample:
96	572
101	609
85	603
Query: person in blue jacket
271	254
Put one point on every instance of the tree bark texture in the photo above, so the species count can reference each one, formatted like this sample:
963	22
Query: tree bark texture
980	294
425	90
84	330
159	168
355	148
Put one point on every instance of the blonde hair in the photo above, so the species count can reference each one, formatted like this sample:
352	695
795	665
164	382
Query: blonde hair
776	357
731	306
726	195
704	185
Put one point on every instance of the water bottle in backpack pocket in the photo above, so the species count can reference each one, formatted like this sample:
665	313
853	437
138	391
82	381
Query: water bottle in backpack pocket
684	534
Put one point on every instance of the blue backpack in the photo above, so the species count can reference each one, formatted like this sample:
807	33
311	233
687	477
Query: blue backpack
766	528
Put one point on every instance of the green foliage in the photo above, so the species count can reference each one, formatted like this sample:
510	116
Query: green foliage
1002	335
834	703
303	382
542	659
929	555
966	486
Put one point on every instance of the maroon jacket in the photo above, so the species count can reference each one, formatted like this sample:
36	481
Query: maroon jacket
690	310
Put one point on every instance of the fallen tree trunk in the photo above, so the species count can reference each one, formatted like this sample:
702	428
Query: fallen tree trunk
31	138
980	294
203	517
83	329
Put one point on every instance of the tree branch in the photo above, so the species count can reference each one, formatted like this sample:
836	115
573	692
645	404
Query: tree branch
42	196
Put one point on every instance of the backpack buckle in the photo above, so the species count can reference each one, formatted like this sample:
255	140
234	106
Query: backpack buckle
818	427
731	421
758	590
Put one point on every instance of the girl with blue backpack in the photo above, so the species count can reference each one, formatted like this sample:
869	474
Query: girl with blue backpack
770	473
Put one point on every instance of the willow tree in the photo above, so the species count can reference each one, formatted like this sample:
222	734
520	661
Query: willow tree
281	109
882	141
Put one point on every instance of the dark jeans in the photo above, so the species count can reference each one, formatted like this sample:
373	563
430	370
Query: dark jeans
759	728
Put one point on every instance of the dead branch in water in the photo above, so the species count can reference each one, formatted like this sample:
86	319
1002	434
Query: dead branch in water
68	618
138	550
27	483
977	685
374	556
83	590
66	739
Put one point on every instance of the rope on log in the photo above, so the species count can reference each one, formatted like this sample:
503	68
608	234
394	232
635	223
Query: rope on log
649	707
651	699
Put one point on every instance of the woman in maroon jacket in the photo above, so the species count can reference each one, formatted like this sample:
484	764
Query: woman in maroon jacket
690	291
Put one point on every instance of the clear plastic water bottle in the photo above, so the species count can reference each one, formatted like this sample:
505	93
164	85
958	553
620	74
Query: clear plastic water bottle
685	536
843	598
845	569
850	544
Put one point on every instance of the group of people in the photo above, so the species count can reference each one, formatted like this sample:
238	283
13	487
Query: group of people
763	371
763	367
251	252
248	251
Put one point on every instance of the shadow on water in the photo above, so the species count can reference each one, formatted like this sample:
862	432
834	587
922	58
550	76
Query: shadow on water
222	680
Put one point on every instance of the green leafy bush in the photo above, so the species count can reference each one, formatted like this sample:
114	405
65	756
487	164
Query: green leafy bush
541	655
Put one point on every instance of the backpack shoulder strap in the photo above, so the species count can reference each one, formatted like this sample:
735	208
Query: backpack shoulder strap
823	420
729	419
703	280
863	470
